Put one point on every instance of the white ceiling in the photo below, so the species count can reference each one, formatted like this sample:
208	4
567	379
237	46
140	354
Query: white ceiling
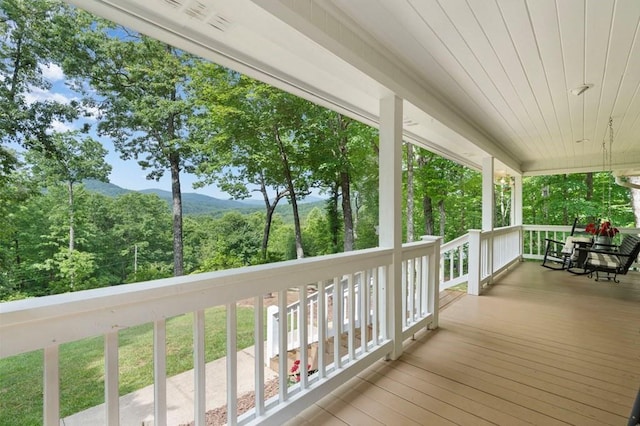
479	77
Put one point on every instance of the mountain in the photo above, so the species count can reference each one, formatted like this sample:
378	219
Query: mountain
201	204
104	188
197	203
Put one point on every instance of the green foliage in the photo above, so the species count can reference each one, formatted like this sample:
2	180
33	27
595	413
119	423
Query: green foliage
558	199
448	196
317	234
72	160
31	40
74	271
230	242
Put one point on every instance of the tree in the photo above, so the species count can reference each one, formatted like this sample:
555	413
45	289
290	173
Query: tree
30	41
410	201
140	234
15	194
316	231
249	136
343	159
557	199
139	86
71	161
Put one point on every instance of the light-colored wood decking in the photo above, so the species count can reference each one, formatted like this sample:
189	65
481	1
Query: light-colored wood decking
540	347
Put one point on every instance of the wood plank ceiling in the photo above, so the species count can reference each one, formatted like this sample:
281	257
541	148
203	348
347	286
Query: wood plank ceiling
479	77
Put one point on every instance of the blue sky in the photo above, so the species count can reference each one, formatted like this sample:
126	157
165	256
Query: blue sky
125	173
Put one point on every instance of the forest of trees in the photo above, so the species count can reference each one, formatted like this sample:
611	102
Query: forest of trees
176	113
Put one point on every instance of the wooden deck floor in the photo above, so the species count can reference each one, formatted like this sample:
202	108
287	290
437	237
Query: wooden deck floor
540	347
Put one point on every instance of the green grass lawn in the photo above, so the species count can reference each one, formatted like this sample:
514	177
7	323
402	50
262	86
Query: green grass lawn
82	365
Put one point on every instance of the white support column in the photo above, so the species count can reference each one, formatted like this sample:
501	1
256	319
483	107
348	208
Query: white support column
516	209
488	194
488	207
390	209
516	201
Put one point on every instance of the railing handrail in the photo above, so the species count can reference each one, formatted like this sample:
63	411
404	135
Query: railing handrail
98	311
456	242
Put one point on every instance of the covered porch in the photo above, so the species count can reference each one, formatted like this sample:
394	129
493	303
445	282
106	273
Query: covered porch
541	346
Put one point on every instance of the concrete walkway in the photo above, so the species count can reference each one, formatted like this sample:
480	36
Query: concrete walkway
136	408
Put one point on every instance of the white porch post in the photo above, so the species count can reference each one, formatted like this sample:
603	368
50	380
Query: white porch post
488	207
516	201
516	208
390	210
487	194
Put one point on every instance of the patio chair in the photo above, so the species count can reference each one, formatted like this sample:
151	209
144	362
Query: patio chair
562	255
614	260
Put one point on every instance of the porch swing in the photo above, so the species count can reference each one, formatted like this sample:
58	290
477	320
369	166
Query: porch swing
609	259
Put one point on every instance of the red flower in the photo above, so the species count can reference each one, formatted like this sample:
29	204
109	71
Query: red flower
604	229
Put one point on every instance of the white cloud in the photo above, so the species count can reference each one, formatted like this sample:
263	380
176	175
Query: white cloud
38	94
60	127
93	113
52	72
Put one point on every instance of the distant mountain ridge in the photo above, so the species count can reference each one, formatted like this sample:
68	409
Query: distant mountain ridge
192	203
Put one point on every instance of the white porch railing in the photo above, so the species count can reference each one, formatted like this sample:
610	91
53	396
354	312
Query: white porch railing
417	264
475	257
294	312
454	262
46	323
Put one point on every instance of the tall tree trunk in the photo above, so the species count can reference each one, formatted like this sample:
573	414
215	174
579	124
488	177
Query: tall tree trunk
292	195
427	211
345	185
267	229
270	209
463	212
635	199
345	188
356	214
332	216
443	216
427	203
588	180
72	233
176	193
410	235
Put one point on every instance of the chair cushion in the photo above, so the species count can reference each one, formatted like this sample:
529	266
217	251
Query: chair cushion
604	260
570	245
